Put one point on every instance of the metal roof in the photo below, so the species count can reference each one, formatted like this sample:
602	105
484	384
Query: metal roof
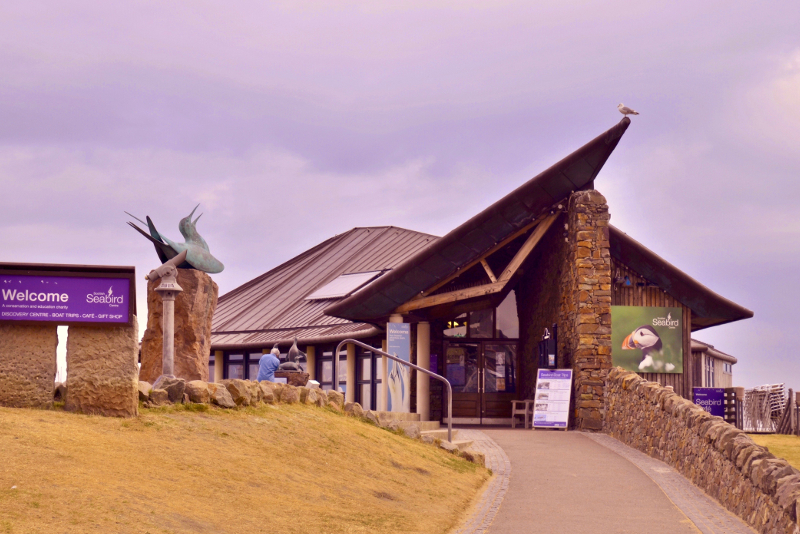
699	346
477	235
272	307
708	308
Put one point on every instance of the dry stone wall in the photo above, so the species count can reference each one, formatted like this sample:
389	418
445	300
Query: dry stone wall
102	370
194	308
27	365
722	460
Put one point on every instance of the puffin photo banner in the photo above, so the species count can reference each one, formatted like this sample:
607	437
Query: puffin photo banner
647	339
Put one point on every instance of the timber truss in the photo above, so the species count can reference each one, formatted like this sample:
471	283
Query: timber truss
537	228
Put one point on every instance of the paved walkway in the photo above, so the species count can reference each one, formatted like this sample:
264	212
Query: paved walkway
566	482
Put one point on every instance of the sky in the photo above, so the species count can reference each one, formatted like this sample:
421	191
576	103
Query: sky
290	122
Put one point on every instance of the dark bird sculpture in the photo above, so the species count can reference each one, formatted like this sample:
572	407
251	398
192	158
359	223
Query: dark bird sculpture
293	359
647	339
198	255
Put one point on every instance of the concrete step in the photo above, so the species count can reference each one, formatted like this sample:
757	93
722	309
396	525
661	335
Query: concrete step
440	433
462	444
424	426
397	416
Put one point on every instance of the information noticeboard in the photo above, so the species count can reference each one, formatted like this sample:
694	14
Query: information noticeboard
551	402
711	400
67	294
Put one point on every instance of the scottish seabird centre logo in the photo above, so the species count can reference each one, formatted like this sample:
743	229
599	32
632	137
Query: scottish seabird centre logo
101	297
667	321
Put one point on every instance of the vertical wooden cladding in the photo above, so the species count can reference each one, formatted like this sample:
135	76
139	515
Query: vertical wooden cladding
642	293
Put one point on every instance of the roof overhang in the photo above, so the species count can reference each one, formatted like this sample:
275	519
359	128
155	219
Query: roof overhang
699	346
708	308
478	235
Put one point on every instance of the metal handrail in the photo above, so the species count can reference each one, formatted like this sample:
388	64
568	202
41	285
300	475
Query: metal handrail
395	358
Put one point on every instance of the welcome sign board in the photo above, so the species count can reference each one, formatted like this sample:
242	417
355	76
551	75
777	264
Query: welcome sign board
647	339
398	343
66	294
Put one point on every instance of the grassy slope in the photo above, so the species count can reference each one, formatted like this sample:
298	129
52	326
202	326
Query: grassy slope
276	469
786	447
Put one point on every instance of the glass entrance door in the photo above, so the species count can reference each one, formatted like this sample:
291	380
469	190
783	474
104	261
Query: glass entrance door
484	380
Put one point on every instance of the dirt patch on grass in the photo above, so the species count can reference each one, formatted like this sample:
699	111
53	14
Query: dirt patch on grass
289	469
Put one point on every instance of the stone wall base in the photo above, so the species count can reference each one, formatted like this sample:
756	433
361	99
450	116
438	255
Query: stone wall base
27	365
102	370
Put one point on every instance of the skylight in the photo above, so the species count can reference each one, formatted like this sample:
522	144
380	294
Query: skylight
344	285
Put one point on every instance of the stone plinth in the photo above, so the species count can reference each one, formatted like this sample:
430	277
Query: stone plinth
194	308
293	378
102	370
27	365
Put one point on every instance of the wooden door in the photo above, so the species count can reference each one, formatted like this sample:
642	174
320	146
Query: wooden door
462	368
499	380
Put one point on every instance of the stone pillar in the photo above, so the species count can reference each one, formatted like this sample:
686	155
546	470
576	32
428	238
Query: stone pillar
350	393
383	400
424	361
27	365
102	371
219	366
311	362
589	265
194	308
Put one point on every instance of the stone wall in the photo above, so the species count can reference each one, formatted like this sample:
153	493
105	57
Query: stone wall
717	457
27	365
588	326
194	308
102	370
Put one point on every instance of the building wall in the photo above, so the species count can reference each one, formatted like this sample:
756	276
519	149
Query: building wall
541	301
641	293
567	280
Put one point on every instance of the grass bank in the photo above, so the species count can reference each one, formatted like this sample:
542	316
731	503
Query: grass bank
271	469
786	447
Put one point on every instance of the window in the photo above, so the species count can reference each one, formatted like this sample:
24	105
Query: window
507	320
709	372
235	366
211	362
491	323
727	368
252	365
344	285
325	370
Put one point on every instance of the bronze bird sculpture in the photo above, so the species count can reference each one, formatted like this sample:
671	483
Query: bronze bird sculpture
197	254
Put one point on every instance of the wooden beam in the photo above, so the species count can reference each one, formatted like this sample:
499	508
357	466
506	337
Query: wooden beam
452	296
476	261
527	247
488	270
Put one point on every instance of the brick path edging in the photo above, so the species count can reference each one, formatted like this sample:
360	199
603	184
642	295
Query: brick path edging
492	498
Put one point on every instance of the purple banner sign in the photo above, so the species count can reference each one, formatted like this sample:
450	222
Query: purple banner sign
64	299
711	399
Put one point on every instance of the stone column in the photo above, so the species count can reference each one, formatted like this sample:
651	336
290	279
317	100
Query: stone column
311	362
589	267
27	365
194	309
102	370
219	365
424	361
350	394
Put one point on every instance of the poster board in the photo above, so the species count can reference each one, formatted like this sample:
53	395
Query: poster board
711	400
398	343
647	339
551	400
67	294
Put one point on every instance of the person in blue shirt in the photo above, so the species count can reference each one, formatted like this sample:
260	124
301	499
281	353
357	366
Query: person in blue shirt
268	364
